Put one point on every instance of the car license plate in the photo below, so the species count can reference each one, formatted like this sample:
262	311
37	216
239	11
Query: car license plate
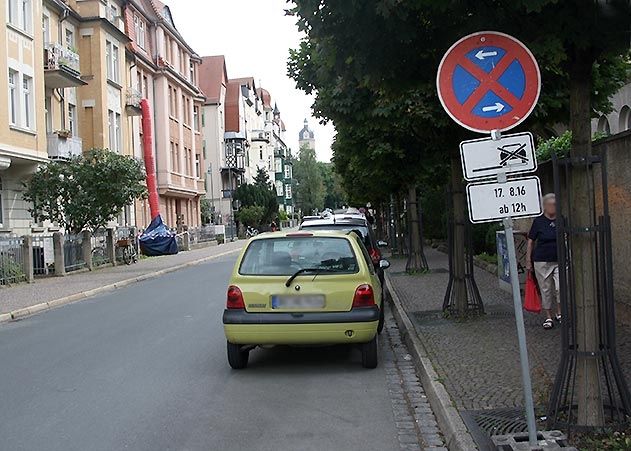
298	302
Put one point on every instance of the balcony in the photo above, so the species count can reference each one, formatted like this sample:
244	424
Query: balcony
61	67
61	147
132	102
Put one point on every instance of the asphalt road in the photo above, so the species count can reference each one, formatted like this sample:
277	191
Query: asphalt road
144	368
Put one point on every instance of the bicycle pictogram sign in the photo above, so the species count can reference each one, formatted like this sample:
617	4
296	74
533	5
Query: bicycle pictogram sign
488	81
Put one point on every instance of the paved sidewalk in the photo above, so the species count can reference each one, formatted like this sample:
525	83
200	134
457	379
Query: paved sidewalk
51	288
477	360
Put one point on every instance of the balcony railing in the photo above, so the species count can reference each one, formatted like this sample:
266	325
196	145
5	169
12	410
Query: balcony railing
62	69
132	101
57	57
63	148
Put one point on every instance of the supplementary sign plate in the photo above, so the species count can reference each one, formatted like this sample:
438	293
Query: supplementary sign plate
492	201
486	157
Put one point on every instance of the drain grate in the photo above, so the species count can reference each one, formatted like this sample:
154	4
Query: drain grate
483	424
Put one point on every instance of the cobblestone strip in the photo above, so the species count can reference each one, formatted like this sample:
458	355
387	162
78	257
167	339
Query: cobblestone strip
416	425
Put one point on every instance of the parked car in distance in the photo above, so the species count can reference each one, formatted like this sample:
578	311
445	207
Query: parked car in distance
303	288
353	222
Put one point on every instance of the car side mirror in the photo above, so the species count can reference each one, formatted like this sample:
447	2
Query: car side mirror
384	264
382	244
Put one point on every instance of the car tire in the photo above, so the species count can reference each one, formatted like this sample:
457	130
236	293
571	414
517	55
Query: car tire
382	318
237	358
370	354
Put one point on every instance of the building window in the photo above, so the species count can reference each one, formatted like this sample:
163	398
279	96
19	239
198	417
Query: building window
118	132
278	165
260	152
26	19
171	101
139	29
603	125
114	126
279	188
191	71
72	119
112	12
287	191
287	171
13	12
196	118
111	58
198	166
625	119
13	97
27	92
46	28
69	39
48	105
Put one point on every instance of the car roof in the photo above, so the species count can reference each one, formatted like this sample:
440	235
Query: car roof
336	219
301	234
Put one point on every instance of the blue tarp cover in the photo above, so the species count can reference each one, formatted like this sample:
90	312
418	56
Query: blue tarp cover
157	239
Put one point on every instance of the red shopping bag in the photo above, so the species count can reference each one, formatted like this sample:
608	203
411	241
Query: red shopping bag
532	301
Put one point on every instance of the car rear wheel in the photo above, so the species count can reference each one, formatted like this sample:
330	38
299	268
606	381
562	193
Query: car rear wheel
237	358
369	354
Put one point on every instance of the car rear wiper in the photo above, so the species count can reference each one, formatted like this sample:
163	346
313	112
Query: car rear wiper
304	270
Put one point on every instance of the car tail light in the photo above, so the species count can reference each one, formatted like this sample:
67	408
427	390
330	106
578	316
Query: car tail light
234	298
375	256
364	296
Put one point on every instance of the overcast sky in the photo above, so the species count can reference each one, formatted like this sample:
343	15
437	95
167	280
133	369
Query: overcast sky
255	36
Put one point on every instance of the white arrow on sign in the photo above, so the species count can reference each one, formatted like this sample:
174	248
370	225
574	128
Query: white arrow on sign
497	107
482	54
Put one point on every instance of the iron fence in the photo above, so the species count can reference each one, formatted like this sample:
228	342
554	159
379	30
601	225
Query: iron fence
43	255
12	261
202	234
73	252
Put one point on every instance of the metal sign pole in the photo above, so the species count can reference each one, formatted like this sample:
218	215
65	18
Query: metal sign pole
521	332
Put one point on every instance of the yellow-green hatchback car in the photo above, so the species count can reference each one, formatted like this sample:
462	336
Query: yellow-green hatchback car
303	288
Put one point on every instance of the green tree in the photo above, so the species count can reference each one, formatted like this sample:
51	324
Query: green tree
334	196
259	194
206	210
86	192
309	191
251	216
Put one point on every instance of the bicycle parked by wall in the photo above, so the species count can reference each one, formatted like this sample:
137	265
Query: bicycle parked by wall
127	249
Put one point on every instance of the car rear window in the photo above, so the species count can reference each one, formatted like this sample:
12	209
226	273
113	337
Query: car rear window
284	256
361	230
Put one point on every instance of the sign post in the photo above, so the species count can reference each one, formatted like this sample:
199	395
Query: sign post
489	82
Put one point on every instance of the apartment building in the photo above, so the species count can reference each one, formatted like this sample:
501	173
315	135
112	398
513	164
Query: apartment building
213	81
283	168
23	143
166	72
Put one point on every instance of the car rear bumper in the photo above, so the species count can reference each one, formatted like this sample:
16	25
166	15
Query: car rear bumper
358	315
356	326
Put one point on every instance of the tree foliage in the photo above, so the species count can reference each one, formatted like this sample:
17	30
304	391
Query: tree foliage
259	194
334	196
251	216
86	192
309	189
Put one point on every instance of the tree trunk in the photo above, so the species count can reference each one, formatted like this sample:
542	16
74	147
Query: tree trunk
415	259
590	408
458	250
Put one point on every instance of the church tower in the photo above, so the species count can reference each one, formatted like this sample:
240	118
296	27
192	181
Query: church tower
306	137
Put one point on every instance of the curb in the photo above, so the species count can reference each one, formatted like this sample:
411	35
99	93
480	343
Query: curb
37	308
457	437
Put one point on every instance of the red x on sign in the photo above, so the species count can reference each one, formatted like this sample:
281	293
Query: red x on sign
488	81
